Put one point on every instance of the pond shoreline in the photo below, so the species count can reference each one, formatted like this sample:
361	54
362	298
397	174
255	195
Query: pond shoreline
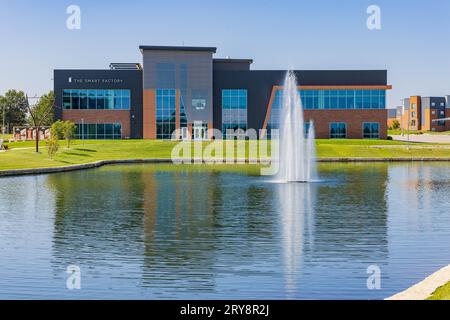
97	164
425	288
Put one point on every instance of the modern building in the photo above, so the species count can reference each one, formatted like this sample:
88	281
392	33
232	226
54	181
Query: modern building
391	116
425	114
187	90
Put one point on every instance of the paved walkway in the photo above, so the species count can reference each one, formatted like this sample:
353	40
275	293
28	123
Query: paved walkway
424	289
430	138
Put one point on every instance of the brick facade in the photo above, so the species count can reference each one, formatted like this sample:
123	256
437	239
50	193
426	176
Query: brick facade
100	116
353	118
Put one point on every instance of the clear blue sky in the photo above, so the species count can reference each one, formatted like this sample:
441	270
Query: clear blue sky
413	44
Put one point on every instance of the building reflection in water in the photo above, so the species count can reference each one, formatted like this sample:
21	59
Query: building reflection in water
418	220
179	230
176	232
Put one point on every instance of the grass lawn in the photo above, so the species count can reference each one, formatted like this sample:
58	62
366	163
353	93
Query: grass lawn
21	155
442	293
399	132
6	136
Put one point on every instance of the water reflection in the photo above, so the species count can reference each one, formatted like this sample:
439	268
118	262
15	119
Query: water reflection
419	221
150	231
296	213
179	234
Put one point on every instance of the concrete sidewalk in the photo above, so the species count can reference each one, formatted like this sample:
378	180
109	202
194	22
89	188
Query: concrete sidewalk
425	288
430	138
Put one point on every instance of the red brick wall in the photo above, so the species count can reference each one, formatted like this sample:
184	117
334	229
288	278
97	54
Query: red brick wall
100	116
353	118
447	123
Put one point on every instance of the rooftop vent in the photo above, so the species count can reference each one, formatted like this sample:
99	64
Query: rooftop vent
125	66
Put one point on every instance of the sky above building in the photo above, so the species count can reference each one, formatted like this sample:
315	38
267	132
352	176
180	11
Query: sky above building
412	43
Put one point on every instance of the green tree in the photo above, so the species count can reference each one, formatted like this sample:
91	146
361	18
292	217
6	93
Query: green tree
44	104
38	116
52	146
13	107
69	131
395	124
57	129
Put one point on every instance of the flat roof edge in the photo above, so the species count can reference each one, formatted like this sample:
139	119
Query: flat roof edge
229	60
178	48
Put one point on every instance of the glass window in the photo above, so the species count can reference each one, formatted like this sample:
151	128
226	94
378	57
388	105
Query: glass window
234	111
118	100
92	99
371	130
98	131
165	113
96	99
100	99
75	99
66	100
83	99
338	130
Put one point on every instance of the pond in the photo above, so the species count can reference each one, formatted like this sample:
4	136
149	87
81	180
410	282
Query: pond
201	232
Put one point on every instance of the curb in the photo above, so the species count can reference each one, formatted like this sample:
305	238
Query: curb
97	164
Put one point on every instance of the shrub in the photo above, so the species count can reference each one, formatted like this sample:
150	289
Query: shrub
389	138
68	130
58	129
396	124
52	146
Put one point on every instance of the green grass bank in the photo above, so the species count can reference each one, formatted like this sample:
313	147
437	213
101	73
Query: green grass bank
21	155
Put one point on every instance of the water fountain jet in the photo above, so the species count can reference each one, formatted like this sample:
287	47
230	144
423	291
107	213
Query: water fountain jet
296	146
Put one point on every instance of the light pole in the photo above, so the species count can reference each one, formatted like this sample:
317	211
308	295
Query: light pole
4	115
409	122
82	131
403	115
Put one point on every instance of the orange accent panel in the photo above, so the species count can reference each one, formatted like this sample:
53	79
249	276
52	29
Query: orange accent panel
371	87
210	130
189	126
269	107
149	114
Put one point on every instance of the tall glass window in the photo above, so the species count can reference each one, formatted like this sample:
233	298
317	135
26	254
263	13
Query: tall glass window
183	116
343	99
337	99
96	99
274	121
338	130
234	110
371	130
98	131
165	113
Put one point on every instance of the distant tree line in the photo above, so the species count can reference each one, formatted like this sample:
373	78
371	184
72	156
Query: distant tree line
15	108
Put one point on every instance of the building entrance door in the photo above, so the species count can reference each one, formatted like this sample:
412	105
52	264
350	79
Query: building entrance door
184	133
199	131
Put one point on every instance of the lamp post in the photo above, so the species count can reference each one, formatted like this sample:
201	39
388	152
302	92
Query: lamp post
403	115
82	131
3	127
409	122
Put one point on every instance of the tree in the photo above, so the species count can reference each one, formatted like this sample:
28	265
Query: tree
395	124
40	110
52	146
58	129
14	105
38	117
69	131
